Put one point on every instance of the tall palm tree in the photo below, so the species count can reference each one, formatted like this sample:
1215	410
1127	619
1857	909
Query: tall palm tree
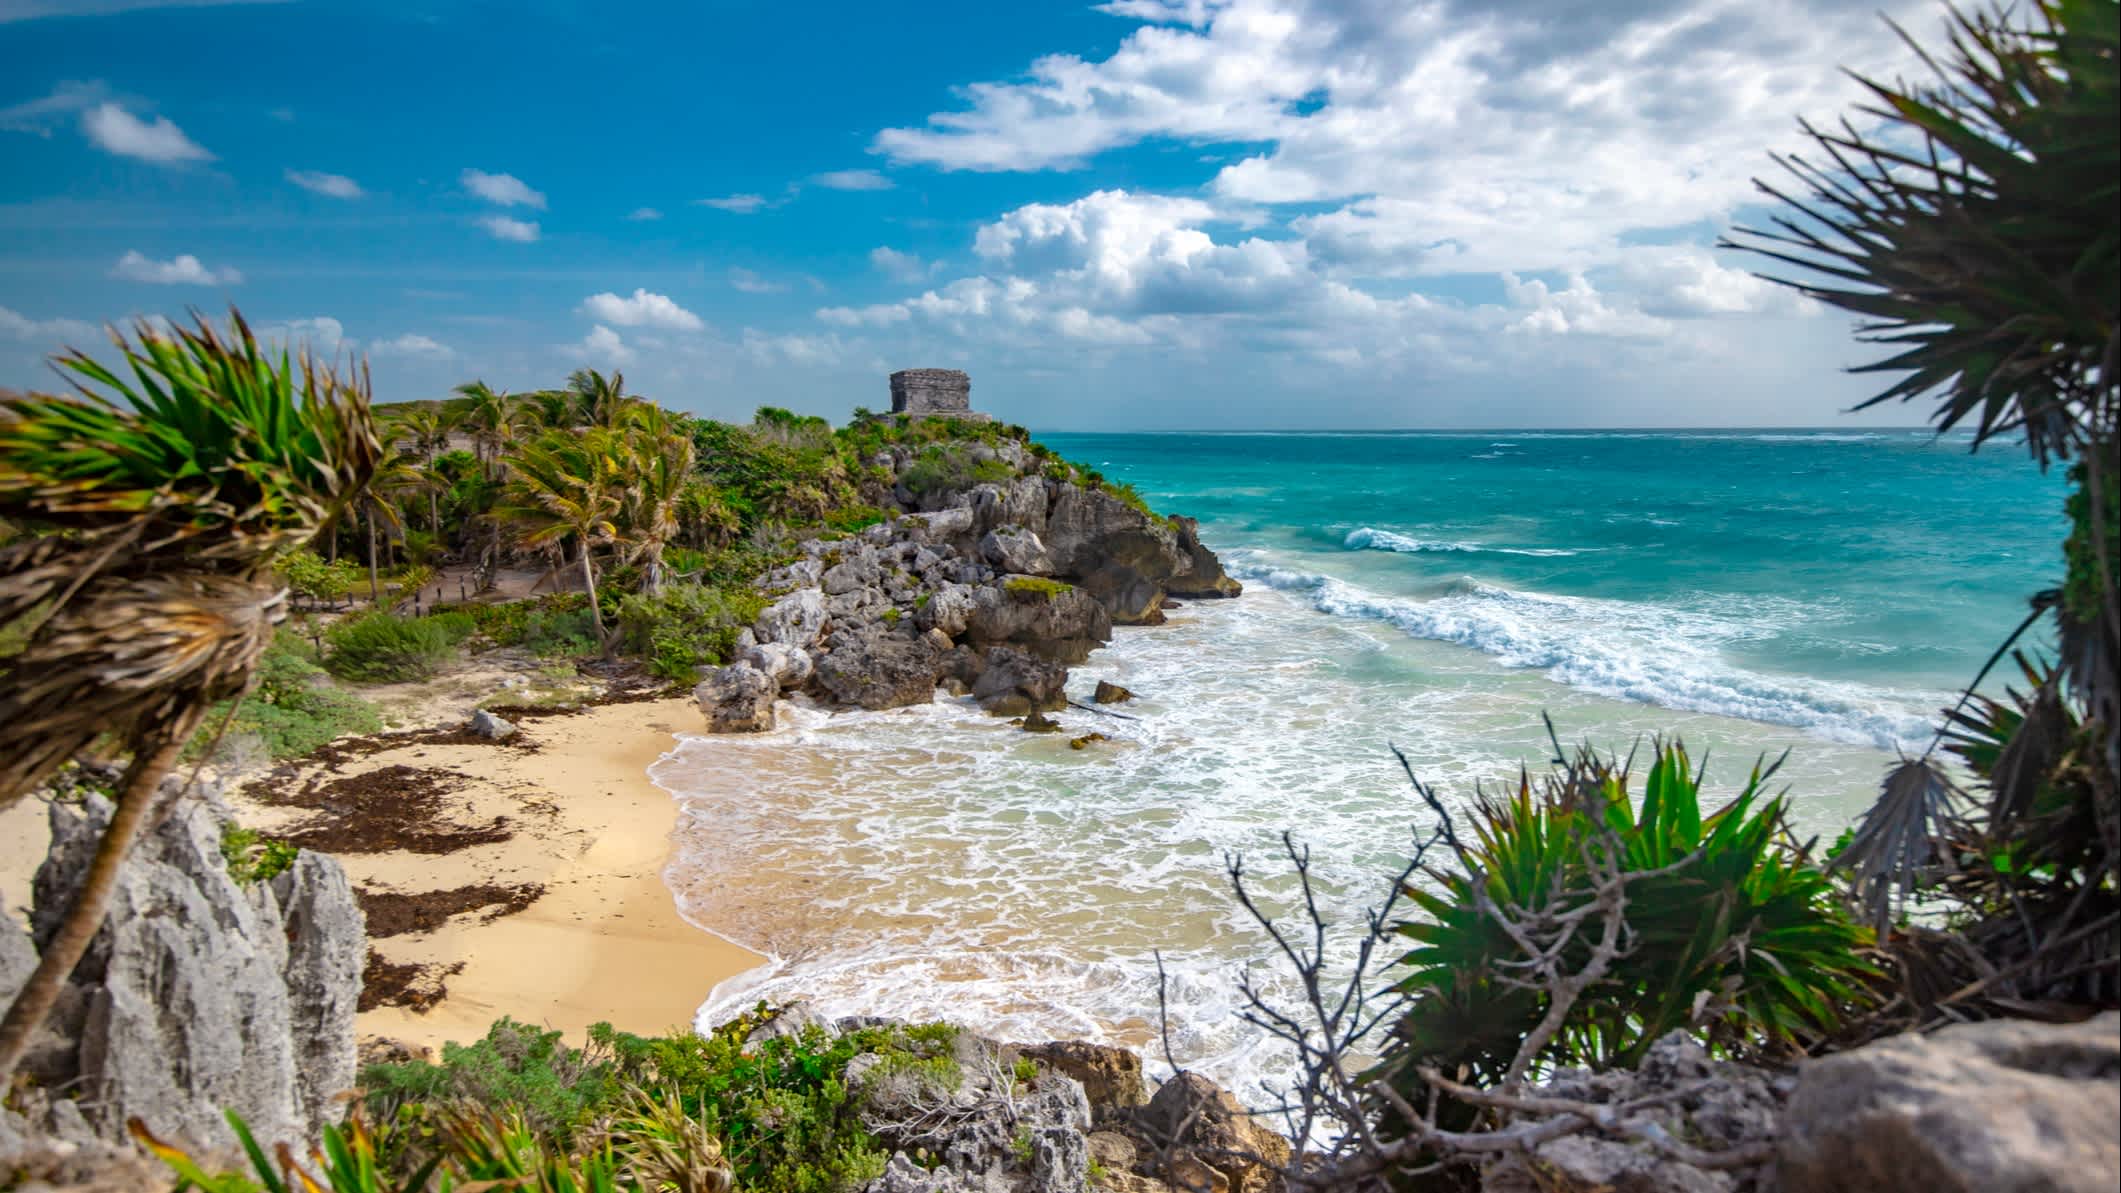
600	401
155	508
659	466
421	434
492	419
397	474
569	486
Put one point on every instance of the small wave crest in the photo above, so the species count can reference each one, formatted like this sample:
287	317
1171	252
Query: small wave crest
1369	538
1644	653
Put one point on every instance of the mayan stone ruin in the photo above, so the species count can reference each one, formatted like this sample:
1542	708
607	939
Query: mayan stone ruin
923	392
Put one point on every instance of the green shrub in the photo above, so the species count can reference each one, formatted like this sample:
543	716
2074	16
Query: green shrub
1035	587
252	857
555	625
941	469
1730	929
294	707
686	626
386	648
852	518
309	577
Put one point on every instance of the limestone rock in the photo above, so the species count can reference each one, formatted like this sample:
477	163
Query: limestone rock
1111	1077
879	668
2002	1105
1037	722
1110	693
487	725
201	995
1015	683
327	944
1063	624
1203	575
950	608
736	699
797	619
1214	1137
1086	741
17	956
857	570
1014	549
789	666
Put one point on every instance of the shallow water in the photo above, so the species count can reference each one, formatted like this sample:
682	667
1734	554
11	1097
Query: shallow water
1821	593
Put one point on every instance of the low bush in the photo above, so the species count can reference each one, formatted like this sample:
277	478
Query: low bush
1725	927
310	578
294	707
940	469
253	857
1035	587
386	648
686	626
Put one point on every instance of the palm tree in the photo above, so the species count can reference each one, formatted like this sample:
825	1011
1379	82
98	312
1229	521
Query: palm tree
398	473
420	434
1978	232
569	485
600	401
659	466
492	418
155	509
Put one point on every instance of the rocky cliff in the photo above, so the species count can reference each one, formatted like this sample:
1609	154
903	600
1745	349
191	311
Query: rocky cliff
990	588
199	995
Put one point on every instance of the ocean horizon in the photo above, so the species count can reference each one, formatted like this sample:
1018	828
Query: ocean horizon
1822	594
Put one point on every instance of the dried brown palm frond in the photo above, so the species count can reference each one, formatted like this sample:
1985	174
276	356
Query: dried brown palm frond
1893	849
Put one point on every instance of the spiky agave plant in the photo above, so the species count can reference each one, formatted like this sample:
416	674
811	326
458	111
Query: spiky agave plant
1975	222
156	504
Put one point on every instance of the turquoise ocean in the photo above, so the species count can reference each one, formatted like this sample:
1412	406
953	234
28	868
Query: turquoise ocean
1822	593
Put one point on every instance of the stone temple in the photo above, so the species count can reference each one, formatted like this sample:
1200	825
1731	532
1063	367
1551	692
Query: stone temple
920	393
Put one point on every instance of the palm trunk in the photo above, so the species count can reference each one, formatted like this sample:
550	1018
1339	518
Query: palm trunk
652	574
375	587
589	585
136	799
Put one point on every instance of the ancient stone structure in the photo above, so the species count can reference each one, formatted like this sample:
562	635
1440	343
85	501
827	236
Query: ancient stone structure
922	392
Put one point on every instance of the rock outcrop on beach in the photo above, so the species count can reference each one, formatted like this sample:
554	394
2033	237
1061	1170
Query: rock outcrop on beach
199	995
991	588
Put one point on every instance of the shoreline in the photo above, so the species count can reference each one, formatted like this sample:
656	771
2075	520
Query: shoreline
603	941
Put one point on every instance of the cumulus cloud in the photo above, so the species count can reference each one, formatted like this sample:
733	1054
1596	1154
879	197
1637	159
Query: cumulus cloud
1576	308
336	186
114	130
740	204
501	227
644	309
898	266
412	345
39	116
768	349
752	283
504	189
322	334
601	346
16	326
853	180
181	270
642	214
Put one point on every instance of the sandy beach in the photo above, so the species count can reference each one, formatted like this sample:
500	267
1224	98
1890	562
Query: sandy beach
586	836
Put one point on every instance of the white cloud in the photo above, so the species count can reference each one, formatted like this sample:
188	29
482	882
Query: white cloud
752	283
336	186
412	345
740	204
642	214
1578	308
644	309
181	270
504	189
500	227
811	351
601	346
853	180
38	116
115	130
1682	281
17	326
898	266
30	10
323	334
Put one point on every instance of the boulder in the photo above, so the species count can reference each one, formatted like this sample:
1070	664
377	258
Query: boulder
1122	556
17	956
797	619
1110	693
789	666
1111	1077
1216	1144
949	608
1053	619
857	569
1013	549
1020	503
1203	575
199	995
736	699
487	725
879	667
1086	741
1015	683
2002	1105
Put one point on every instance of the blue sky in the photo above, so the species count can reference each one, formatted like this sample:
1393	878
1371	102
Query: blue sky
1137	214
